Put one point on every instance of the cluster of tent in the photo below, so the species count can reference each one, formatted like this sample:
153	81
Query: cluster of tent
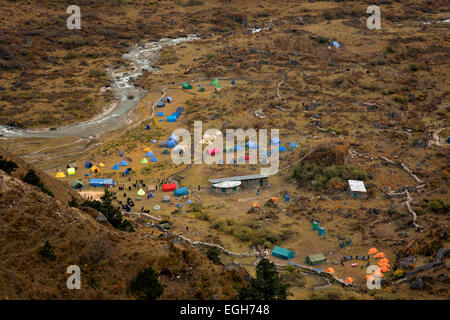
148	154
383	264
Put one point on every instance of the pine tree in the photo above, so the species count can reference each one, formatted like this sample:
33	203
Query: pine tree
267	285
146	285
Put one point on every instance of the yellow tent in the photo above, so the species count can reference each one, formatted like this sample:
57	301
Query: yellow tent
95	169
101	165
71	171
60	174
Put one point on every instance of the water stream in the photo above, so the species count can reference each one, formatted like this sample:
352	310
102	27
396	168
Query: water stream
141	58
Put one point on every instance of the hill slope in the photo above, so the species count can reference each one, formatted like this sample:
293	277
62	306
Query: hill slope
28	218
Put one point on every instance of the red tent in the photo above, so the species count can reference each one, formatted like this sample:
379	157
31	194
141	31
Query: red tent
169	187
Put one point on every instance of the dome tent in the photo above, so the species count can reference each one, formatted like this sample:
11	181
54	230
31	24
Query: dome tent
115	167
141	192
153	159
183	191
123	163
60	174
144	161
149	154
160	114
88	165
186	86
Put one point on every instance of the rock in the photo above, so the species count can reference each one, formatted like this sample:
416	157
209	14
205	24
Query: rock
404	263
101	217
418	284
421	143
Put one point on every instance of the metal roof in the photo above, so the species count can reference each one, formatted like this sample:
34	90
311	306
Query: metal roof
356	185
240	178
227	184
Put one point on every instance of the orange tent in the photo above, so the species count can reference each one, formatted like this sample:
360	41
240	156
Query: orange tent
384	260
257	205
146	149
384	268
379	274
330	270
348	280
380	255
275	199
373	250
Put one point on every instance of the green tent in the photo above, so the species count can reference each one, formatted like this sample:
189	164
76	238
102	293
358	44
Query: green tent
141	192
283	253
187	86
201	89
144	161
165	151
315	259
77	184
215	82
71	171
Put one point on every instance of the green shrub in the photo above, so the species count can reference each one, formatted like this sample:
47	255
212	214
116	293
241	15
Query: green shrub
7	165
213	254
146	285
414	66
47	252
322	40
32	178
398	274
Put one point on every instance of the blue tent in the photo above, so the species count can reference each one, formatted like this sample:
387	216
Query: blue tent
160	114
169	99
160	104
153	159
120	153
233	82
123	163
293	145
173	137
189	201
282	253
171	119
275	141
153	141
147	127
180	110
127	172
238	148
448	140
149	154
88	165
335	44
282	148
175	114
171	144
101	182
251	145
115	167
150	195
180	205
287	197
178	192
86	174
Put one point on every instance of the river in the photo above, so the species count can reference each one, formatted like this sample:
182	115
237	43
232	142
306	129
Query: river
141	58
